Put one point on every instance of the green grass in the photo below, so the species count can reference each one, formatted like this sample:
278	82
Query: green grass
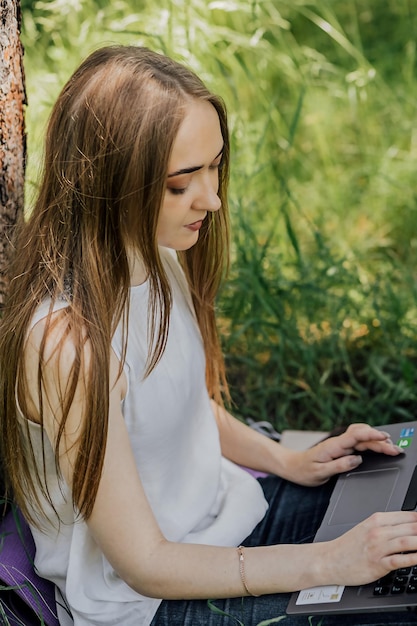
319	313
267	622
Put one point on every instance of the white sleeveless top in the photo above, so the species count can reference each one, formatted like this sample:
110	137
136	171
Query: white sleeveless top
197	496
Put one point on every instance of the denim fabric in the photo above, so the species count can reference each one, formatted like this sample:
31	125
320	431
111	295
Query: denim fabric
294	515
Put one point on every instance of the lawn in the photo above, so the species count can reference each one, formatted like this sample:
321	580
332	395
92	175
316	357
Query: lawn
318	315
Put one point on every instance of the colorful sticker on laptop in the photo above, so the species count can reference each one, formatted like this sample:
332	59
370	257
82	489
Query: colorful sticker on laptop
407	432
404	442
320	595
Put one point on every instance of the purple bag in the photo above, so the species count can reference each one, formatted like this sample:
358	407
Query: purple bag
26	599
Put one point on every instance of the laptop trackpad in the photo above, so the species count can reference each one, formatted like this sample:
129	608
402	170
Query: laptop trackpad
362	494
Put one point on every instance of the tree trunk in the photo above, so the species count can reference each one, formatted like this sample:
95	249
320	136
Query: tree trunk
12	129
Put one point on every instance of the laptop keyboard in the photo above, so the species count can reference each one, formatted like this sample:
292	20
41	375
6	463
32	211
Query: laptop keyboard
403	580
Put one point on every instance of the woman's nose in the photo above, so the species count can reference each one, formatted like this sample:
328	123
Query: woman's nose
207	198
213	203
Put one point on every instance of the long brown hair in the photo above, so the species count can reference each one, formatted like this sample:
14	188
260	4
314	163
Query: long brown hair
107	150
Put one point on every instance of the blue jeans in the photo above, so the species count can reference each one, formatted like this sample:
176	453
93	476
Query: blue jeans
294	515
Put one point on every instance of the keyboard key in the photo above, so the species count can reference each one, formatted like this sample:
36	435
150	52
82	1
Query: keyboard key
402	580
387	579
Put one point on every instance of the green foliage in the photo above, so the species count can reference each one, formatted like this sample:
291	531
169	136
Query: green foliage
319	313
314	344
215	609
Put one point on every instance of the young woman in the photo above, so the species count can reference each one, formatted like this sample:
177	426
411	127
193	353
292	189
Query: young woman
118	448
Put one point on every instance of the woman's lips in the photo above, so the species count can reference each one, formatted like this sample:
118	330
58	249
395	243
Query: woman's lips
195	225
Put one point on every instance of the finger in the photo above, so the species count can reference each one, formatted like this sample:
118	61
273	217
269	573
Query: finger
396	522
360	437
401	544
347	442
324	470
358	434
357	438
334	448
385	447
396	561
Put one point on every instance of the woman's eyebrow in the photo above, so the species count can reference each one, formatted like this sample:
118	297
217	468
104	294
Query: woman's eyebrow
190	170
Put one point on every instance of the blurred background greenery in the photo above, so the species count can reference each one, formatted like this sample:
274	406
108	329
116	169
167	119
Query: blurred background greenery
319	313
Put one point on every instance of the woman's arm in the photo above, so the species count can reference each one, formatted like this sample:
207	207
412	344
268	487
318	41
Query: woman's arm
314	466
123	525
126	530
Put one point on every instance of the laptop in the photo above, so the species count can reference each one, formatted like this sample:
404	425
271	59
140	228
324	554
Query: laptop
380	483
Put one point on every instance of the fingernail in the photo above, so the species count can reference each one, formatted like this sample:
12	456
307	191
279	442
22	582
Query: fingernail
356	460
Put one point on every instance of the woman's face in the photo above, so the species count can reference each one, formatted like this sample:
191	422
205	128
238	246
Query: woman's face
193	177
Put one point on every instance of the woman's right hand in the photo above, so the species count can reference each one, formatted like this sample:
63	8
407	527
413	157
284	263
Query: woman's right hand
381	543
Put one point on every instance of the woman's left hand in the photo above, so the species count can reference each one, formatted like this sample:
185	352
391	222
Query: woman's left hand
338	454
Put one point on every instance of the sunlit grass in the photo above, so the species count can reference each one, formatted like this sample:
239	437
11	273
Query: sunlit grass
319	314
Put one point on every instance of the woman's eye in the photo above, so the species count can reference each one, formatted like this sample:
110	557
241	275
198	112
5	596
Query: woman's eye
177	191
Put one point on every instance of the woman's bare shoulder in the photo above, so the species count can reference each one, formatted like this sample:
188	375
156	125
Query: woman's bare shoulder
58	349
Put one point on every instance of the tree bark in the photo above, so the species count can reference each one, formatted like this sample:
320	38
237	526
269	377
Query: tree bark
12	129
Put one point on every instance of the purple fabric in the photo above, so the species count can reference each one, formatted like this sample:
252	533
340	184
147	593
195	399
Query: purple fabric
31	595
17	551
255	473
